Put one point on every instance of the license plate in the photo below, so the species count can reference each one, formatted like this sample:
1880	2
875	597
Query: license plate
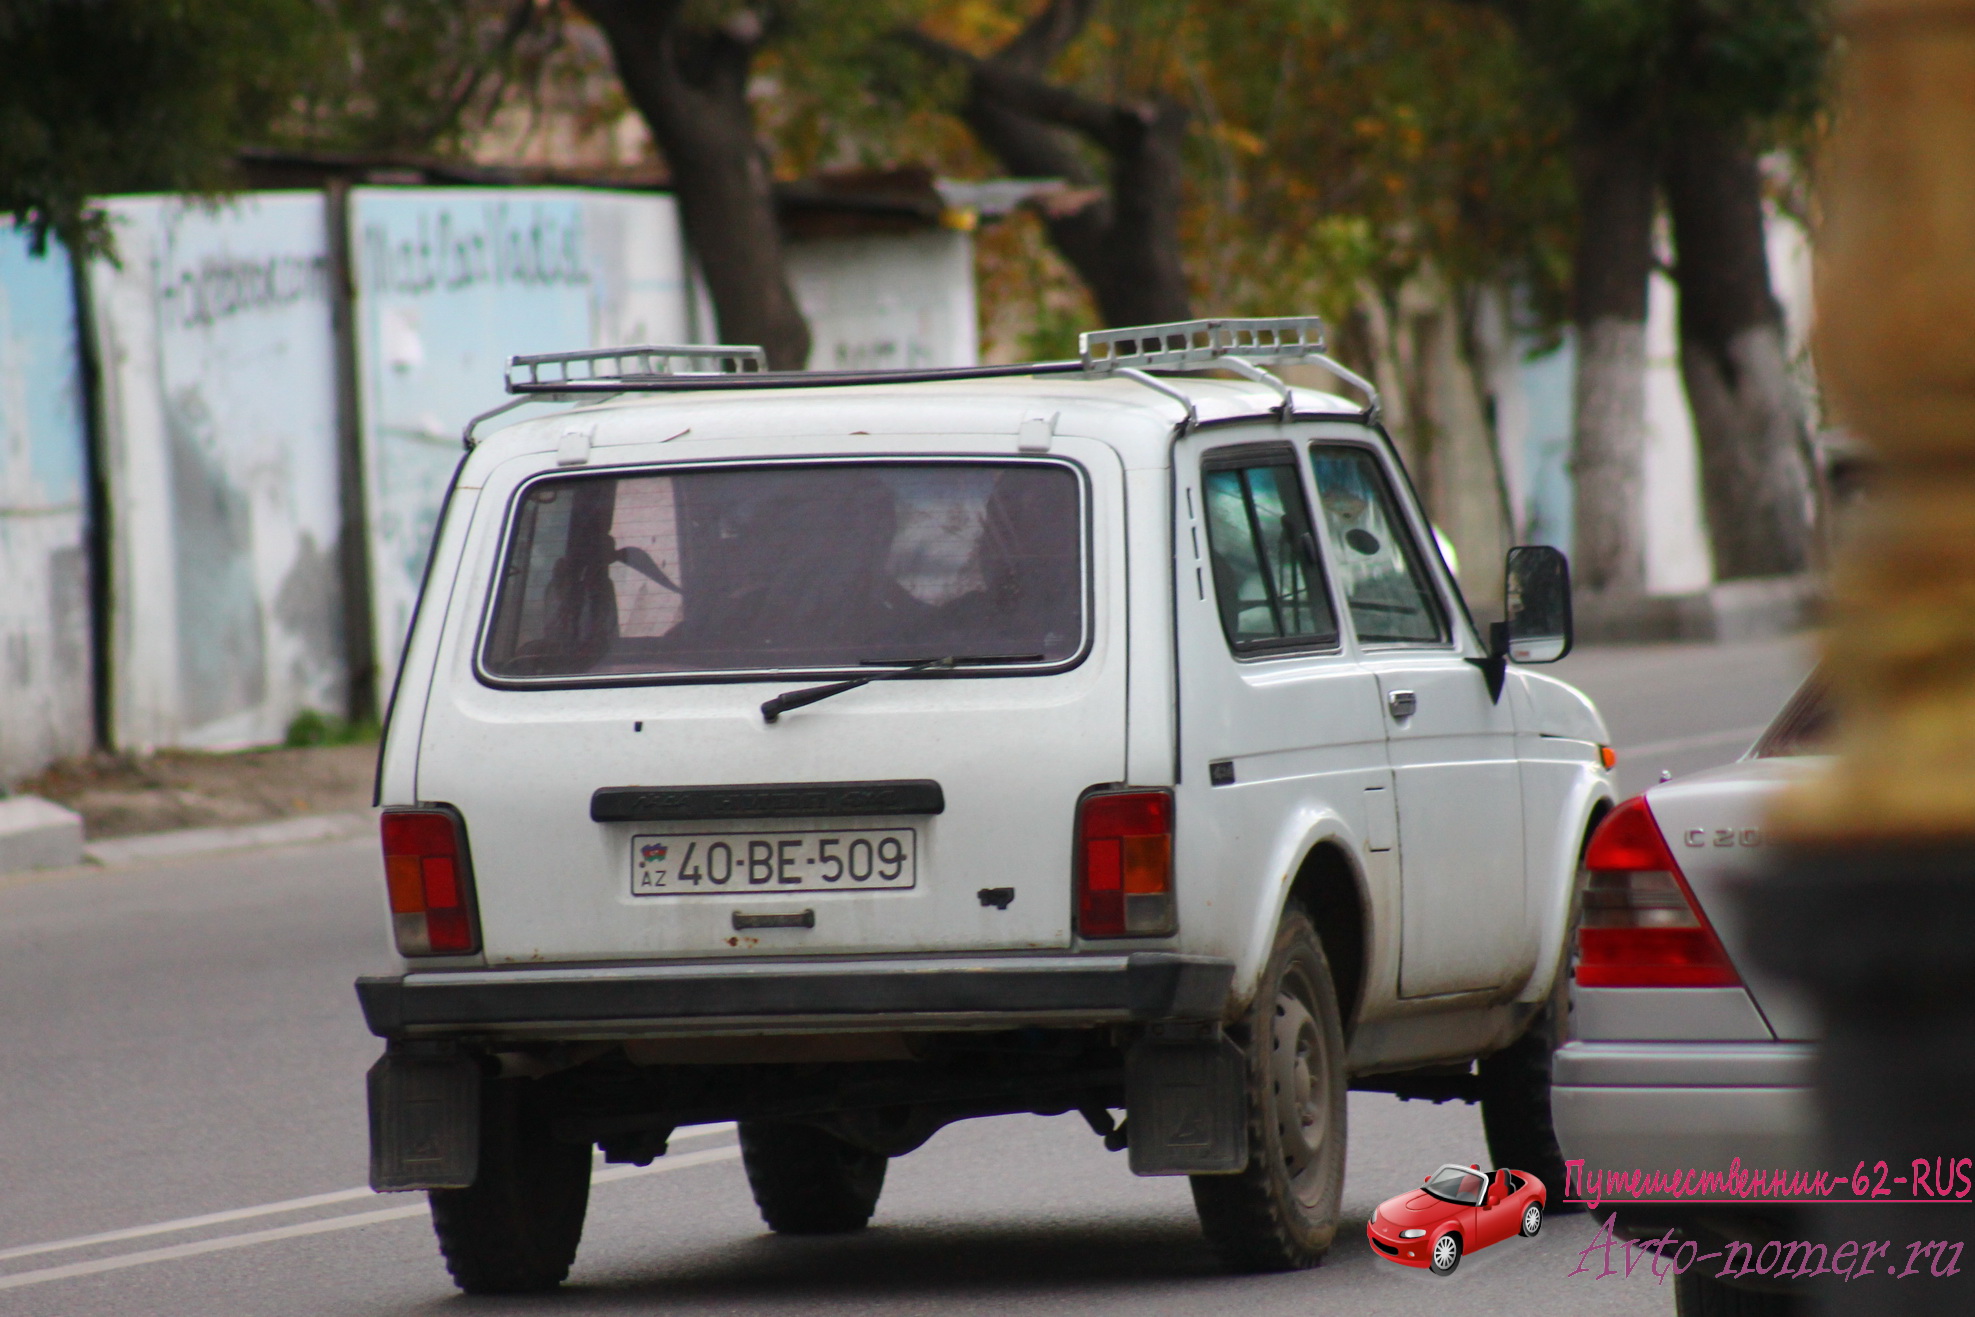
733	863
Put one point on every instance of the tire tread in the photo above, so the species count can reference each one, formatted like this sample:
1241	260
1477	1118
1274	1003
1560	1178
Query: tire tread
1244	1216
516	1229
807	1181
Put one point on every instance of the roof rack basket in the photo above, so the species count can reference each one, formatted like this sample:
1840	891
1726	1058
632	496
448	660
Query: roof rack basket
612	370
1240	346
1202	344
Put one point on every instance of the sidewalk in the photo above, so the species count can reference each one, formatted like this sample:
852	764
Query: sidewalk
173	790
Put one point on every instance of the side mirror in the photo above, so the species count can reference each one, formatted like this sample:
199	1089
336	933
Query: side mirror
1538	629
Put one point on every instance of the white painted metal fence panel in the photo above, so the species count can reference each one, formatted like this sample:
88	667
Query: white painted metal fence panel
45	690
893	301
451	282
220	447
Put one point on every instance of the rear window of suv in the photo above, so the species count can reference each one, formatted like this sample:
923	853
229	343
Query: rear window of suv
810	566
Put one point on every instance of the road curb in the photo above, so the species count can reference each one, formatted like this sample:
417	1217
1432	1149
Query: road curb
121	852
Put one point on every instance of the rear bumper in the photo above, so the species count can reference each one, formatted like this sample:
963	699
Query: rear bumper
1657	1106
796	997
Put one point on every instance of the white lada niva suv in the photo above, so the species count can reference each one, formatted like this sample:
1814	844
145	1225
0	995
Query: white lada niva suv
846	755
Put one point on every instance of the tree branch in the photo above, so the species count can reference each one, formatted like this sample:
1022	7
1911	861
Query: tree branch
1046	36
1020	92
1126	245
520	19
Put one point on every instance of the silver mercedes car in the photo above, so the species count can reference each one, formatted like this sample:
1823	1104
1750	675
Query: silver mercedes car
1682	1098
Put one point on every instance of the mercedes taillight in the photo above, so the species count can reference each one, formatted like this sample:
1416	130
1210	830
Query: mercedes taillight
1124	864
1641	927
430	880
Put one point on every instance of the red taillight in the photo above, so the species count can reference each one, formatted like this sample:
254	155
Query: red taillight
425	871
1125	864
1641	927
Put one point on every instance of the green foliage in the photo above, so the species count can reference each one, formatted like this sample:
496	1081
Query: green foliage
414	76
99	97
311	728
1737	60
1364	141
1346	145
104	96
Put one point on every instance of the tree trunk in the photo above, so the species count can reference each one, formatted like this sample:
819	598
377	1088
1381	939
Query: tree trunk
1615	167
1463	474
1121	235
690	84
1135	271
1420	357
1733	356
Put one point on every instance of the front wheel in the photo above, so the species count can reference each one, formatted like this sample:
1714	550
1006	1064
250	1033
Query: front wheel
1532	1220
1280	1212
1446	1255
515	1229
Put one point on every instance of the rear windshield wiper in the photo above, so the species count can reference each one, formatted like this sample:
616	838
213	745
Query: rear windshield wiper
781	704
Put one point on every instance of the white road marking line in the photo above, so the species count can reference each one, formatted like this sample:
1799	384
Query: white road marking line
352	1221
166	1254
315	1200
1677	744
191	1222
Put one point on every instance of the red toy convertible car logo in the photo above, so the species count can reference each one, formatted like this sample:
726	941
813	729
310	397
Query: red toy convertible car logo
1459	1209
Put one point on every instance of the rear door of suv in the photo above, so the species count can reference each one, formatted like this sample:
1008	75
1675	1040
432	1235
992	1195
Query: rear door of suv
598	720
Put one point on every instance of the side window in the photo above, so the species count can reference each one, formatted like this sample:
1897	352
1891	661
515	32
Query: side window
1378	568
1266	577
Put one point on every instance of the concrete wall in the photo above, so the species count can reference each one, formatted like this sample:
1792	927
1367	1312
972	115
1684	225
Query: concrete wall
888	301
45	663
219	449
227	449
450	283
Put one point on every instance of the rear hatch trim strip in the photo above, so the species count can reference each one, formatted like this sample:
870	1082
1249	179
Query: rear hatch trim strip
767	800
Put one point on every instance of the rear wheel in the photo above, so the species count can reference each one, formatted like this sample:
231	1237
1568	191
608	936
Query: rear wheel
1280	1213
807	1181
1699	1295
1532	1220
515	1230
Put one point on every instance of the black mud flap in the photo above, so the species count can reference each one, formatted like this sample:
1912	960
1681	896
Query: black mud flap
424	1122
1186	1101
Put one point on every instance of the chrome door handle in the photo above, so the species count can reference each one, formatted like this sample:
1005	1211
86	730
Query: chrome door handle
1402	704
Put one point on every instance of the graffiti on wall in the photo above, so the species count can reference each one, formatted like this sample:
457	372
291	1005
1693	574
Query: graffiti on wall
451	283
218	361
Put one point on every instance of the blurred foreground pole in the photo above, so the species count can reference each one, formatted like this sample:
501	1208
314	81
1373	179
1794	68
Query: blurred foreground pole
1872	904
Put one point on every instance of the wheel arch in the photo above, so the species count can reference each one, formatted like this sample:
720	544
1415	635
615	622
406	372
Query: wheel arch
1588	805
1316	861
1329	888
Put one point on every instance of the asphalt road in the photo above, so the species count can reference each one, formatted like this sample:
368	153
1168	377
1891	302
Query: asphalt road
1683	708
182	1124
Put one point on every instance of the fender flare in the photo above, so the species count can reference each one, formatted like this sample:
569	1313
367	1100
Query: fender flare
1589	803
1319	826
